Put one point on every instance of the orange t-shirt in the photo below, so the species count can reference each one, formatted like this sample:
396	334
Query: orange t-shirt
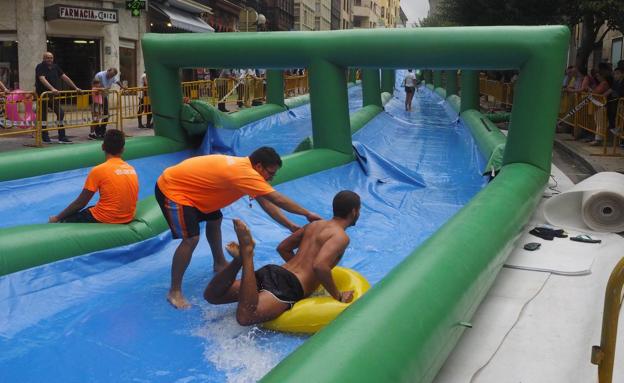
212	182
118	185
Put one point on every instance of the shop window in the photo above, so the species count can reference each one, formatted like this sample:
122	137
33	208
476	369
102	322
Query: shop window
9	74
616	51
127	66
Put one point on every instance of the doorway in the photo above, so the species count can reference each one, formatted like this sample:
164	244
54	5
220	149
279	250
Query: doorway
127	66
78	57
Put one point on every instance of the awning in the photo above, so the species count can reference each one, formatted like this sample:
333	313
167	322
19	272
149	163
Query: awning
183	20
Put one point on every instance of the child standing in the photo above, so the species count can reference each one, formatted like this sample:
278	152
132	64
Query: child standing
97	107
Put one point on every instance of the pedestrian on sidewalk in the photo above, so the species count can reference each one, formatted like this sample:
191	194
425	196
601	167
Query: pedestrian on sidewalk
48	78
107	79
144	105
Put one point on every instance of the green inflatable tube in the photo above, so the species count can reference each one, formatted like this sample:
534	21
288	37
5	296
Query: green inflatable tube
403	328
34	162
33	245
498	117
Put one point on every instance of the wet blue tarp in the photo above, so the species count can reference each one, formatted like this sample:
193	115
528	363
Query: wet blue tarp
32	200
103	317
282	131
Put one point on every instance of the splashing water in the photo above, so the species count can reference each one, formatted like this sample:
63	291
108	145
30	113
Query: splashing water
233	349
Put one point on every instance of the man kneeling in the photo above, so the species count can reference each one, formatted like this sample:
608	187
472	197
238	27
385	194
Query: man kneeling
265	294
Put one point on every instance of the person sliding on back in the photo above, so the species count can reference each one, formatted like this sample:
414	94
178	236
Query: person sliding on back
266	293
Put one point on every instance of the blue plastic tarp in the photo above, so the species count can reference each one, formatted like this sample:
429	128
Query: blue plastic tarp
103	317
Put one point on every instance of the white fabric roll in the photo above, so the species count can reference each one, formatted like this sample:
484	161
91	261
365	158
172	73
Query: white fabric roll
596	204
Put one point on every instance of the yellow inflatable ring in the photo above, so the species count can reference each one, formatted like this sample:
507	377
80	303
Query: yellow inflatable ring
311	314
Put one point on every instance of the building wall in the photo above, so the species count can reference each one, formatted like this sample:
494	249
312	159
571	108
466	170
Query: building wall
346	14
608	45
335	14
25	20
322	15
304	15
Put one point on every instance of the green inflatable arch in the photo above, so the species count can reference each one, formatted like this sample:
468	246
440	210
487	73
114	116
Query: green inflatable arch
406	326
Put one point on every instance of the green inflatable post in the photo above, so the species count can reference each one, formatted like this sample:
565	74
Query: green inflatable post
275	86
371	90
437	79
331	128
451	83
352	73
388	78
428	76
469	90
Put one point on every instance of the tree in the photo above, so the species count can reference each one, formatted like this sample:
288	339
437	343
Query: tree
592	14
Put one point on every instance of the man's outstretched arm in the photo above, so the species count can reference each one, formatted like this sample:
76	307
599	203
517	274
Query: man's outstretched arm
276	213
289	205
326	260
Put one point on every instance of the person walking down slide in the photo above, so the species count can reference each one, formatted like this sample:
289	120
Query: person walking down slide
196	189
265	294
409	82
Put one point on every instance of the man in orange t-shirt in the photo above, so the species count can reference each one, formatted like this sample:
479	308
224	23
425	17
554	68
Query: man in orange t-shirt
117	184
196	189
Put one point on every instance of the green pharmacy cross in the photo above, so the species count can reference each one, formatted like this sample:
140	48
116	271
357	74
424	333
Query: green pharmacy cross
135	6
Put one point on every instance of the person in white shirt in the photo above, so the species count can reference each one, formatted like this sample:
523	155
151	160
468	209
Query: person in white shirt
409	82
107	79
144	105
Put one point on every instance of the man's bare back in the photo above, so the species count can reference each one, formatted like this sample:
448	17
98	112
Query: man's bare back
265	293
315	235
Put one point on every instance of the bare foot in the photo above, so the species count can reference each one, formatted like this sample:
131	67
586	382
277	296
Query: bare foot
177	300
244	237
232	249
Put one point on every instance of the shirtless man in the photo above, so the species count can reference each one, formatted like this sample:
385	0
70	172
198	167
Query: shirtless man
265	294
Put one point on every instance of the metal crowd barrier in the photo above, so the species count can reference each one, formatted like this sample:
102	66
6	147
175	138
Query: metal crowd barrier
592	116
134	103
568	102
200	90
18	113
22	112
77	109
295	85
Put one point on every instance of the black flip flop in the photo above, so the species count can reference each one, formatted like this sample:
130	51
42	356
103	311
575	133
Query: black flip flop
585	239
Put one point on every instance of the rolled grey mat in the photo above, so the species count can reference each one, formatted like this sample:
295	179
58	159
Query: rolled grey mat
596	204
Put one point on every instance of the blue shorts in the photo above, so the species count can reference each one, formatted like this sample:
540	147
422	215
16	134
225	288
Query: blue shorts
183	220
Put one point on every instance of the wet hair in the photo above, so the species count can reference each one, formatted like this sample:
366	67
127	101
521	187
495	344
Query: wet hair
114	141
344	203
265	156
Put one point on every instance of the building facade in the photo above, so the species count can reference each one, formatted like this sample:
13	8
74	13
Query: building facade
366	14
346	14
280	14
335	14
84	36
304	15
610	51
322	15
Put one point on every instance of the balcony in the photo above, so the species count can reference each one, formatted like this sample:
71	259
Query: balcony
363	8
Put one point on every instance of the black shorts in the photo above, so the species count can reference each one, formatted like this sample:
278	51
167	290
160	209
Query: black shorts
83	216
409	89
183	220
281	283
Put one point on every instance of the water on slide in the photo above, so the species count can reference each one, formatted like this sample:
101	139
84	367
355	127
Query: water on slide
103	316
